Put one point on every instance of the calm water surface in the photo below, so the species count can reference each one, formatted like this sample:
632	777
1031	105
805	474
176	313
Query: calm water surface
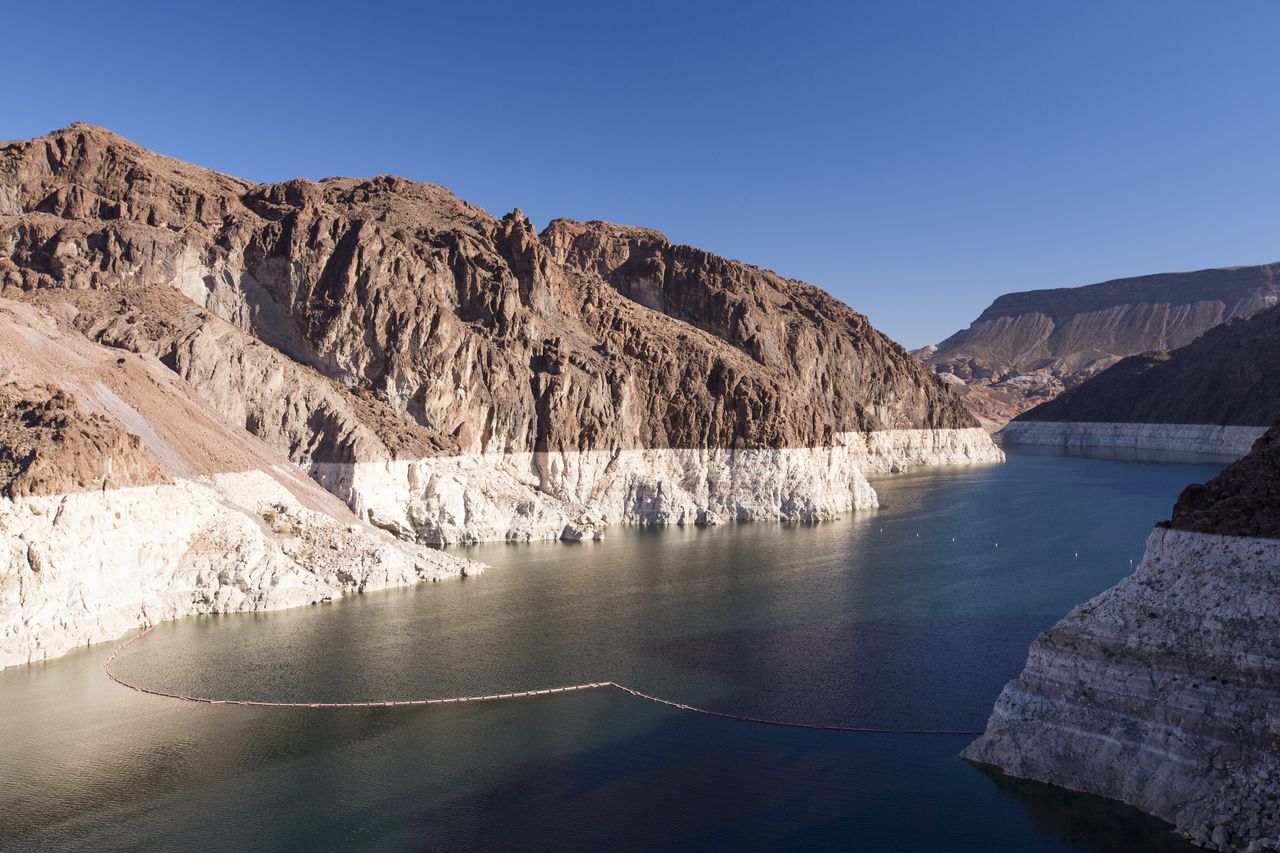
913	616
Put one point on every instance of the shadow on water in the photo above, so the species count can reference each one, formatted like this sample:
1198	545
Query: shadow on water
1088	822
924	672
692	784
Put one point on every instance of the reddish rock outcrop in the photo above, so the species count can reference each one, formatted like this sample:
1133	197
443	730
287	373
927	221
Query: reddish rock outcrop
50	445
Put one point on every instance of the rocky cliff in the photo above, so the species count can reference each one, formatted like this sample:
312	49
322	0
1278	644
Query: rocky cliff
448	375
1216	394
381	320
1029	347
1164	691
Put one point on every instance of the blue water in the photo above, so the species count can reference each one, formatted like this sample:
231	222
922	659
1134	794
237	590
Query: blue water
912	616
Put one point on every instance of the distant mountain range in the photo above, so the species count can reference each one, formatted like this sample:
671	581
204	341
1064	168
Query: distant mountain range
1029	347
1228	376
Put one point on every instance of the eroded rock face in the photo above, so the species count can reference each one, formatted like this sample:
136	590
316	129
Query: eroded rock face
574	494
351	321
845	371
1229	376
476	328
1164	691
1027	348
49	445
1243	500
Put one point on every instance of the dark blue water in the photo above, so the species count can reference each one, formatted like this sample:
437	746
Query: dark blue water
912	616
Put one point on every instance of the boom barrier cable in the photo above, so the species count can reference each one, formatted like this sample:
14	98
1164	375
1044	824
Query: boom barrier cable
518	694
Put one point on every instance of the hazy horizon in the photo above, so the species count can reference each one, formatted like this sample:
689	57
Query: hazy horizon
916	160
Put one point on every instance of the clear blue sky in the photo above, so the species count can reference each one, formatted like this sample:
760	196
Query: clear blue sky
916	159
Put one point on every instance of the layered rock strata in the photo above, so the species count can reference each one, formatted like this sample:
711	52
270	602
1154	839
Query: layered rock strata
1027	348
1217	394
1164	691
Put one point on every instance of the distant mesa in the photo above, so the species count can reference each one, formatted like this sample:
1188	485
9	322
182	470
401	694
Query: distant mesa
1217	394
1029	347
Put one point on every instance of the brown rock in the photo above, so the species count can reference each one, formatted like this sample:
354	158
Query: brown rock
1244	500
1228	376
397	312
49	444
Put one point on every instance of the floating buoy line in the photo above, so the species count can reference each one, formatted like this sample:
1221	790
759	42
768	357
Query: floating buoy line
493	697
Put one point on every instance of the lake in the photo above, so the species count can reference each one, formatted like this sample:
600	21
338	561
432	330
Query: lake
911	616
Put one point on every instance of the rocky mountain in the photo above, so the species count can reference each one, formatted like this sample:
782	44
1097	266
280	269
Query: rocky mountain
1027	348
1164	691
449	376
1216	394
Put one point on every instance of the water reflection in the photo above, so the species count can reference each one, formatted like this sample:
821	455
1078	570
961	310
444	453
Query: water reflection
910	616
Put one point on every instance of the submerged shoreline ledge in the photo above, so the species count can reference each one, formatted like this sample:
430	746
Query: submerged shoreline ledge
1180	438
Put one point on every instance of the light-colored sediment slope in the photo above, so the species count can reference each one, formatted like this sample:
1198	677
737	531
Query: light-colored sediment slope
125	500
1164	691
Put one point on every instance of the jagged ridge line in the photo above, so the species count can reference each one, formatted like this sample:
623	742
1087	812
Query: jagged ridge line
595	685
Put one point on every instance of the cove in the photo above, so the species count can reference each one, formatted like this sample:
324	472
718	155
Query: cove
911	616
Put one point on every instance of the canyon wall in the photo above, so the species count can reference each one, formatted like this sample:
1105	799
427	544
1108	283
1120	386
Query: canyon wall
1217	394
1029	347
404	364
1207	439
575	494
1164	691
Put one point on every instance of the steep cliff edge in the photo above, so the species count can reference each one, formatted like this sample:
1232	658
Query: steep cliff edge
463	377
1164	691
1029	347
1218	393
